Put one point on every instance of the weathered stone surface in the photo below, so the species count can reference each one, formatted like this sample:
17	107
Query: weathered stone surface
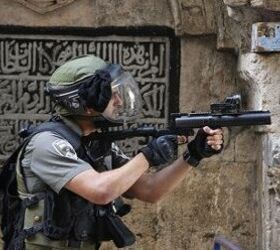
88	13
193	17
236	3
271	193
234	20
204	78
225	26
272	151
210	201
234	29
262	84
261	74
245	142
45	6
267	4
221	195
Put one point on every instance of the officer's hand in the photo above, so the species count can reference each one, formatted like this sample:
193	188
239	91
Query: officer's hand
207	142
161	150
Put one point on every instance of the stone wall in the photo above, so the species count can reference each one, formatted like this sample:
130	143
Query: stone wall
235	193
260	72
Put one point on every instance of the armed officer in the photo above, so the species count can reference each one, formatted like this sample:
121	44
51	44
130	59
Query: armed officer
70	184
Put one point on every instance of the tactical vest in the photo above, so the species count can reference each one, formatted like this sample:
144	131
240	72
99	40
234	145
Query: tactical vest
64	219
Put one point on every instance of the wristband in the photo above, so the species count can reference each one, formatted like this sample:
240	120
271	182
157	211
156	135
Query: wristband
190	159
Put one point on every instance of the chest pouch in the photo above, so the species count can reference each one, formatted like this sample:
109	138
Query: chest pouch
50	214
84	227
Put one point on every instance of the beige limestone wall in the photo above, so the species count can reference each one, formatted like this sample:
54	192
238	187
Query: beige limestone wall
221	195
262	77
261	74
218	197
90	13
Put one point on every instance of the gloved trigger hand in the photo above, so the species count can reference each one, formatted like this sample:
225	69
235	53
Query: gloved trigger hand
199	148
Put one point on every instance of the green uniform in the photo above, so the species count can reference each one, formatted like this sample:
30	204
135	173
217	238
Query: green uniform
50	161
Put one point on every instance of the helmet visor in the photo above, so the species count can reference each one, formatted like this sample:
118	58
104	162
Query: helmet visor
126	103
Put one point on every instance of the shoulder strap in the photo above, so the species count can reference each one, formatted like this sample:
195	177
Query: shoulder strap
54	126
60	128
9	166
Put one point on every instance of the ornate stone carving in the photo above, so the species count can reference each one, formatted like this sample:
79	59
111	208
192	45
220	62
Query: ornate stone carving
44	6
26	62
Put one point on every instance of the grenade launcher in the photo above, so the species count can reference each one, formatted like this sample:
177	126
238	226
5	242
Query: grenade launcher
225	114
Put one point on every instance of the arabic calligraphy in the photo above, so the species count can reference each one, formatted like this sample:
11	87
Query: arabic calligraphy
27	61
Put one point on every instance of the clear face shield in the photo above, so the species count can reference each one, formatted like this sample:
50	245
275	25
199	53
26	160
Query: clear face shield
126	102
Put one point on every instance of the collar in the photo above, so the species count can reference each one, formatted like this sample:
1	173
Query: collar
71	124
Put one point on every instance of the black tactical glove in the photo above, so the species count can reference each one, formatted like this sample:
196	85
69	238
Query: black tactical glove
161	150
96	92
199	149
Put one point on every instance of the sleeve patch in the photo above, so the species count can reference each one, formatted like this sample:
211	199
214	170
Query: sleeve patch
65	149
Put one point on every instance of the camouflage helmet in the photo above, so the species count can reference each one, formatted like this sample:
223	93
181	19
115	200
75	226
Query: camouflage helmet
70	74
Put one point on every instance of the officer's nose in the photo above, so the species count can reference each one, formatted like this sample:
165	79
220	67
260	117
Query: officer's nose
117	99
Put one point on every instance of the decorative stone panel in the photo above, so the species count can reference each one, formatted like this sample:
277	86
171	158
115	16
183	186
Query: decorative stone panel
27	61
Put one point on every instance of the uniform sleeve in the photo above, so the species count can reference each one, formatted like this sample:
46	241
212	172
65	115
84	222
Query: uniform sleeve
54	160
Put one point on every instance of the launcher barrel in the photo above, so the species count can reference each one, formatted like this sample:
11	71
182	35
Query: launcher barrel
228	120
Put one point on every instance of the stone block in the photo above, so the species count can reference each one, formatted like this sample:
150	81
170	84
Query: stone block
214	198
225	40
193	17
258	3
246	142
236	3
267	4
266	37
270	190
272	151
262	84
234	25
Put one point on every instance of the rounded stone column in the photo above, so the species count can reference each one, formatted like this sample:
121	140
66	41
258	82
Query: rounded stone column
262	77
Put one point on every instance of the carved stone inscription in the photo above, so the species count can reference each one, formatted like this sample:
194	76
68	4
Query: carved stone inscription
26	62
